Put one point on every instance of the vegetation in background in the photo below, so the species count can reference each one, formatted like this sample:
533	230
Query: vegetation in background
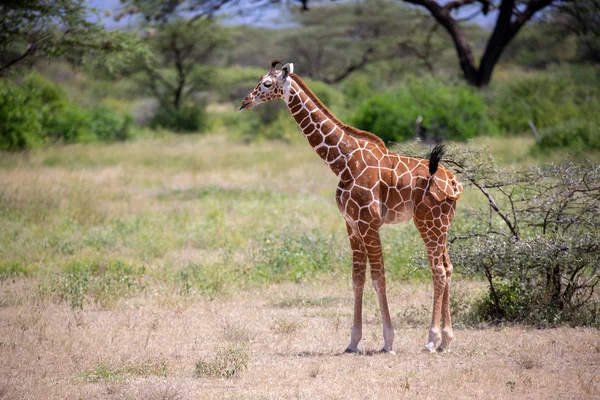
449	111
68	30
38	112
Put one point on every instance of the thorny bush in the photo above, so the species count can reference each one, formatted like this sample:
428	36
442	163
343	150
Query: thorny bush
536	241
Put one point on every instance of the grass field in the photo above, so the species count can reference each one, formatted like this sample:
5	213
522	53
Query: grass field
198	267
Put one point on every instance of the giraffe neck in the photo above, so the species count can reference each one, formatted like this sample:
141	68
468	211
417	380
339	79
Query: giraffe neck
324	134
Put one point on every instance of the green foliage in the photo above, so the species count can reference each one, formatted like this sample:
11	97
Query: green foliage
449	111
48	28
539	248
72	125
103	282
186	119
577	136
12	269
20	121
547	99
109	126
195	278
295	258
356	89
38	112
541	43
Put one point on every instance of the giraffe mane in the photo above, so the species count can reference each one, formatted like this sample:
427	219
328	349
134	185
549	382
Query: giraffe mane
350	130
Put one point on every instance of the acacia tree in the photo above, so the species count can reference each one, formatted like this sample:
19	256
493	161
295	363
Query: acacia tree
173	67
512	15
341	39
51	29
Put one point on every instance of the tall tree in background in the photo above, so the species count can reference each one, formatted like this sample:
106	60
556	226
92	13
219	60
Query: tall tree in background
582	17
512	15
339	39
180	50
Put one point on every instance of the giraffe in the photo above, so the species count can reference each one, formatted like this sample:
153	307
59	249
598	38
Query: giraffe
376	187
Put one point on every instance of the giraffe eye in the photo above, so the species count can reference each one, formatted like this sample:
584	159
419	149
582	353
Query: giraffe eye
267	84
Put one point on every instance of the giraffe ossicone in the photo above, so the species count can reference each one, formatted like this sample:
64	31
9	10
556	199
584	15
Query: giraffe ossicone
376	187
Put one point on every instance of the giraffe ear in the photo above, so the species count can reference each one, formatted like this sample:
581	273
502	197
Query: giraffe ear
286	70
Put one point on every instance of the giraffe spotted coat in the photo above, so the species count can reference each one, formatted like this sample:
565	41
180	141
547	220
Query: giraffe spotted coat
376	187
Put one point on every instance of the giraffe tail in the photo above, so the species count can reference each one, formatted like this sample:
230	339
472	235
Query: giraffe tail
434	158
444	185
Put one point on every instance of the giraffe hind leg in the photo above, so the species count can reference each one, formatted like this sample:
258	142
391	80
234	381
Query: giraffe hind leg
447	334
434	235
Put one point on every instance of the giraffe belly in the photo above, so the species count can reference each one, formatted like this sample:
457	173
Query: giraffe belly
398	214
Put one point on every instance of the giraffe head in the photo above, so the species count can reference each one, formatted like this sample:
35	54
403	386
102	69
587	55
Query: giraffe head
270	86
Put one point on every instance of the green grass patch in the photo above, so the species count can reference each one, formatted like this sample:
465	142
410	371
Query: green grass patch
100	282
109	372
12	269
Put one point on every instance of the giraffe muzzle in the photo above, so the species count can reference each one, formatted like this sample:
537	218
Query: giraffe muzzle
245	105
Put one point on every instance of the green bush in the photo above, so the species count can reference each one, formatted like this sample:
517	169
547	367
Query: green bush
39	111
576	135
108	126
541	99
72	125
186	119
549	98
20	120
449	111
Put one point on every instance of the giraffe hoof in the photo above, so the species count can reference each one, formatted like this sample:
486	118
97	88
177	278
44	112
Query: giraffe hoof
430	347
384	350
350	350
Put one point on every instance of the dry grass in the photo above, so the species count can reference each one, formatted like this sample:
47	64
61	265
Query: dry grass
149	270
148	349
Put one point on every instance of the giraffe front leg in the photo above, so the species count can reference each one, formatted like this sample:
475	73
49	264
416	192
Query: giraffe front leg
375	254
359	268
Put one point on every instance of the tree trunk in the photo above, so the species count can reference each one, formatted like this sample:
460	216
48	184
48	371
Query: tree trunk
509	22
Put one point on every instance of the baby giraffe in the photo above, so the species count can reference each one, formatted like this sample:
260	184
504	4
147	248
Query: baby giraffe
376	187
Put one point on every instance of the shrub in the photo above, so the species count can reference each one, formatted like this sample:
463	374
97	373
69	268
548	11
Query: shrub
228	362
38	111
103	282
20	120
576	135
186	119
449	111
541	99
539	247
107	126
550	98
72	125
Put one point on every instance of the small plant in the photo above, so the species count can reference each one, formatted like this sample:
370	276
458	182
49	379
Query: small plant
286	327
227	363
103	282
12	270
202	279
107	372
